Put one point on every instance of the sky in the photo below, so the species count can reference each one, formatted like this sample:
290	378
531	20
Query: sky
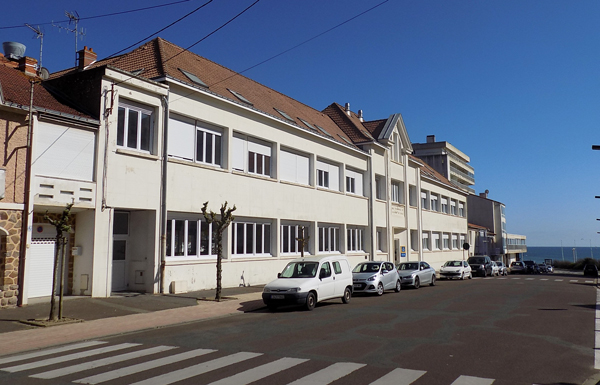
512	84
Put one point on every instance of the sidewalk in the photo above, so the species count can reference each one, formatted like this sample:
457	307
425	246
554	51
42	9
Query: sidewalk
126	312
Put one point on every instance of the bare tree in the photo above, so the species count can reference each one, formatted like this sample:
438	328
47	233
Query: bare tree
62	226
302	241
219	226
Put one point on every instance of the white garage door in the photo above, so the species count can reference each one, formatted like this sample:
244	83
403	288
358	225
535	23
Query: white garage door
41	266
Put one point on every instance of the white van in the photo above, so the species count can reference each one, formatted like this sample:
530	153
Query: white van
309	280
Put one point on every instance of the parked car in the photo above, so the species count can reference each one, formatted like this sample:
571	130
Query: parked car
375	277
590	270
550	268
481	265
542	268
502	269
456	269
310	280
518	267
532	267
495	270
416	274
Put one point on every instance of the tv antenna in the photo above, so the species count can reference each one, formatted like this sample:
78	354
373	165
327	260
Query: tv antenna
39	35
73	18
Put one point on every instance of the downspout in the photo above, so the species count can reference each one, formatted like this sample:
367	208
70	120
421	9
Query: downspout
388	207
372	205
420	214
26	201
163	196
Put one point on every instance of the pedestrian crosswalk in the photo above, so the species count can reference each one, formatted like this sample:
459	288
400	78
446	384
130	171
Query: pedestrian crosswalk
589	281
98	362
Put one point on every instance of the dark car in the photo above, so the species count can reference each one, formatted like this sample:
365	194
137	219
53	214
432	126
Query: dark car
480	265
543	268
590	270
532	267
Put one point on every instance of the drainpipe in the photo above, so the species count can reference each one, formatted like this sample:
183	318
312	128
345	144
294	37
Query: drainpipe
26	201
372	205
163	196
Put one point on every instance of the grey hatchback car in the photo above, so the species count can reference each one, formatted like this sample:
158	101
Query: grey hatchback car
375	277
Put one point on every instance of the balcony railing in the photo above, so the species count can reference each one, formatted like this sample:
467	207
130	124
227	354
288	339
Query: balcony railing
466	176
463	186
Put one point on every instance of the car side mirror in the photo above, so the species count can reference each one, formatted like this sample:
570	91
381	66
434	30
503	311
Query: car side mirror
278	275
384	272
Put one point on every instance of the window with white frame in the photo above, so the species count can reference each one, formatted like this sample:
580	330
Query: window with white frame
250	238
444	205
446	241
329	239
251	155
328	176
461	209
424	200
195	141
135	127
397	192
462	240
294	167
190	238
412	195
354	238
453	207
455	242
381	239
289	238
434	203
414	240
396	147
435	241
354	182
425	240
379	187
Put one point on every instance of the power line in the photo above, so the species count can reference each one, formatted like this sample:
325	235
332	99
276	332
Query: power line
105	15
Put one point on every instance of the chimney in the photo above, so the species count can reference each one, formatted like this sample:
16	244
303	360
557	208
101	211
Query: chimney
86	57
28	65
430	138
484	194
348	108
360	115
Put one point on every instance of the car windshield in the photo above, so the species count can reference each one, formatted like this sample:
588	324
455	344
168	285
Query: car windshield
529	263
409	266
453	264
476	260
300	270
367	267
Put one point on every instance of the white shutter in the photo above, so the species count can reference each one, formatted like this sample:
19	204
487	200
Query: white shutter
293	167
181	139
302	169
334	177
259	148
239	153
64	152
41	267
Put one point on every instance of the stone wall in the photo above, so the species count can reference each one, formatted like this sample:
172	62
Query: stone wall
10	220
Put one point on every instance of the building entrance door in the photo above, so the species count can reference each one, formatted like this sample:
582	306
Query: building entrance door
119	252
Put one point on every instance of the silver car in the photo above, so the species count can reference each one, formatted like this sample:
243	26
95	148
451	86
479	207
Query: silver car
416	274
375	277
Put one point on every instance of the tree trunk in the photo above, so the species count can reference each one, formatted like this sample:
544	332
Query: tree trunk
62	277
219	267
53	315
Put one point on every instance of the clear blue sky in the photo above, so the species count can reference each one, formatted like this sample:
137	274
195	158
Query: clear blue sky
513	84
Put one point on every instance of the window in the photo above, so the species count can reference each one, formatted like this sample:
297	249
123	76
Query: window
251	155
289	238
453	207
396	147
397	192
294	167
434	203
328	176
461	209
412	195
249	238
425	241
424	201
435	237
195	141
354	239
325	270
381	242
446	241
354	182
462	240
329	239
379	187
444	205
455	241
190	238
337	267
135	128
414	240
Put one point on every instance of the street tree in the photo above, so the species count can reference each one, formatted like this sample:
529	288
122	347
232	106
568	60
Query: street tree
219	224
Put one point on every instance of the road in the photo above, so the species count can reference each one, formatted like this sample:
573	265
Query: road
504	330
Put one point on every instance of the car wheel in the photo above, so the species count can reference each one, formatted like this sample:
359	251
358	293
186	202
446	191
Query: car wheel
417	283
398	287
347	295
432	283
311	301
380	289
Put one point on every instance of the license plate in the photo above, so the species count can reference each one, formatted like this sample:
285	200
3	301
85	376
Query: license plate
357	285
277	296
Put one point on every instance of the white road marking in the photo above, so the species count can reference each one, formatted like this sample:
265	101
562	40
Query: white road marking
399	377
574	280
260	372
589	282
468	380
515	278
329	374
529	279
118	373
543	279
23	357
558	280
196	370
101	362
68	357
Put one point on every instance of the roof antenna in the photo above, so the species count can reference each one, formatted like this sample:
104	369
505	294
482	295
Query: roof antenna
40	35
73	18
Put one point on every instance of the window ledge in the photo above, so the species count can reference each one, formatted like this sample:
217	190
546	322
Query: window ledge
256	176
329	190
174	261
296	184
195	164
356	195
137	154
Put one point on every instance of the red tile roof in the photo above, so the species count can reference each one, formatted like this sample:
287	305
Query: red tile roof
350	124
427	170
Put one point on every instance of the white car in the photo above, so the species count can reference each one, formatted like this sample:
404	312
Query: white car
456	269
307	281
495	269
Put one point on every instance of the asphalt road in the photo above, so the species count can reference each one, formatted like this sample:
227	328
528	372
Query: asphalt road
513	330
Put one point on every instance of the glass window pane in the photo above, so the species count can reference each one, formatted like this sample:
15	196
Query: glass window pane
267	166
259	163
179	237
121	225
285	241
213	240
267	239
259	239
146	134
132	129
209	148
200	146
249	238
121	127
293	242
218	149
325	179
119	247
192	238
240	238
204	238
169	234
251	161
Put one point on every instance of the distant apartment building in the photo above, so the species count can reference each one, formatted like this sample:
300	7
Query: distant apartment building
448	161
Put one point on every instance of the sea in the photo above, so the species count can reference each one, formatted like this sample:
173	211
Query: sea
565	253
